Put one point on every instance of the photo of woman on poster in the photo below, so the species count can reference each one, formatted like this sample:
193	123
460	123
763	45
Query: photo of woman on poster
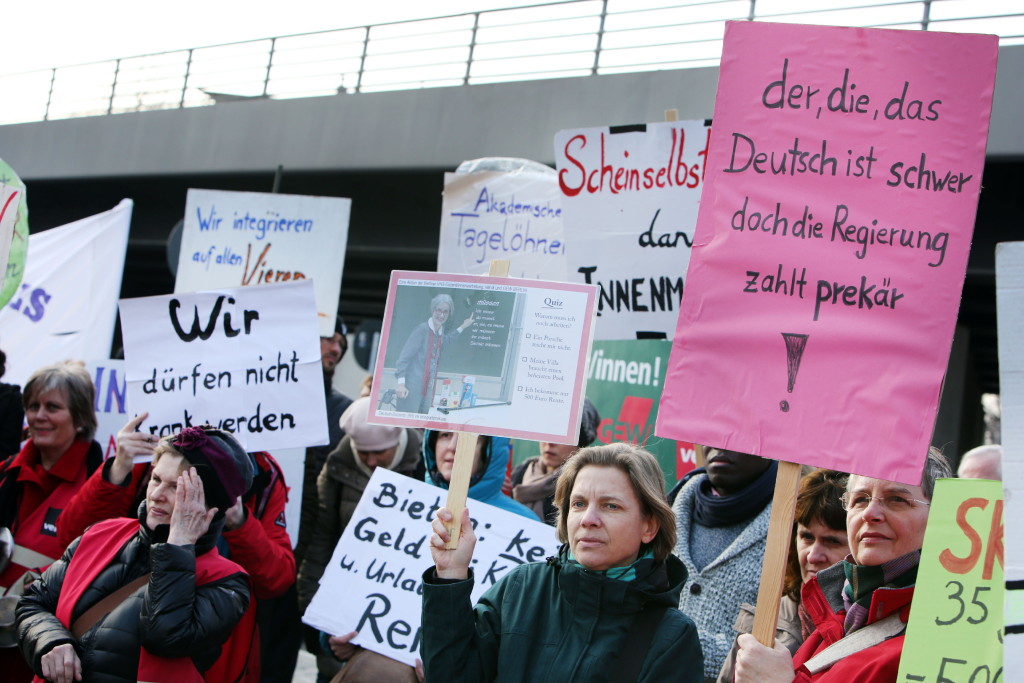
416	369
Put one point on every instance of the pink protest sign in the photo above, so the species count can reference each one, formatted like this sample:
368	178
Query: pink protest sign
831	244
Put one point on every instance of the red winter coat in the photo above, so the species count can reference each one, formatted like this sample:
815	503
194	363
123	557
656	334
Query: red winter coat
260	545
38	495
823	599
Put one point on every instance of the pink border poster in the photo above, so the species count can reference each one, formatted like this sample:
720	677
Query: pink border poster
489	355
831	244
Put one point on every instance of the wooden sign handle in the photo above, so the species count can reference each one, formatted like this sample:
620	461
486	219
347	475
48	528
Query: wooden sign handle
465	452
671	114
780	539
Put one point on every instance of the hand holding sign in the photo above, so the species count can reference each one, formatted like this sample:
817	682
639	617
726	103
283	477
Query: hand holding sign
452	563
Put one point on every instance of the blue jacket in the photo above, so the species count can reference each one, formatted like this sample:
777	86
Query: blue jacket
486	486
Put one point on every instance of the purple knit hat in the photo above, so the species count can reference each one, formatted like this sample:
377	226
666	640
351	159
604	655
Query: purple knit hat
220	461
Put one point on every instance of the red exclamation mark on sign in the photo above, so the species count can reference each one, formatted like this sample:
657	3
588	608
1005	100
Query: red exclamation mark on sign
795	344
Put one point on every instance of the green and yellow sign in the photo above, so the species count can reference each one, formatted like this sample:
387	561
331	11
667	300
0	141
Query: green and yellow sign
955	634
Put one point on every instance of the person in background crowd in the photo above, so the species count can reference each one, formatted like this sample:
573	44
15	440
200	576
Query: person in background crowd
533	481
604	609
254	534
37	483
12	414
416	368
868	593
150	598
819	541
722	518
983	462
341	483
492	453
332	351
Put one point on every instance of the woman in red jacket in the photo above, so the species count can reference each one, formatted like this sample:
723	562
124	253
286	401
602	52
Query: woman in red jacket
150	598
37	483
254	529
870	591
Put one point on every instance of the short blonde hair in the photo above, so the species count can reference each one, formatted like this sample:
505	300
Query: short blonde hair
648	484
73	380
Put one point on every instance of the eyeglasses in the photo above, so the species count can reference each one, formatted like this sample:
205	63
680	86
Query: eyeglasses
892	503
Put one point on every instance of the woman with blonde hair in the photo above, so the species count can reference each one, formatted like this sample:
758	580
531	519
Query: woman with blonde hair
605	608
38	482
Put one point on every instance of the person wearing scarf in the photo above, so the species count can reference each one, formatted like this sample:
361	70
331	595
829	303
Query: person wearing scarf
819	541
603	609
871	589
722	517
533	481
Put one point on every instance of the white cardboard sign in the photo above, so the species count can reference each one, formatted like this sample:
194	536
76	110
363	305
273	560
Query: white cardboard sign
111	415
494	215
234	239
630	195
1010	305
246	360
373	582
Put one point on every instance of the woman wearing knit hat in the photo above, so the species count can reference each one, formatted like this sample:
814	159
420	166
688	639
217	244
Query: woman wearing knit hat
150	598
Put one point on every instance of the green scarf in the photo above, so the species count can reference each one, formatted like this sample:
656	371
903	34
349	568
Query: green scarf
627	573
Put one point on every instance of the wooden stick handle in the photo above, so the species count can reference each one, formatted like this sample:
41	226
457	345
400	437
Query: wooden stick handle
458	487
780	539
465	454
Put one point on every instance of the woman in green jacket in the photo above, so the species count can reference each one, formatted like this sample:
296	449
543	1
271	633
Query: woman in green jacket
604	609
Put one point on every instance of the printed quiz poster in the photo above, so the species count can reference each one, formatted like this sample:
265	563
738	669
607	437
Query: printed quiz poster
488	355
831	245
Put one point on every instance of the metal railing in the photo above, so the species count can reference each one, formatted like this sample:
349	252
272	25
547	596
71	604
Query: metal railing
561	39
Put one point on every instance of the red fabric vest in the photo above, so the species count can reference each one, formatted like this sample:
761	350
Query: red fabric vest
28	531
239	658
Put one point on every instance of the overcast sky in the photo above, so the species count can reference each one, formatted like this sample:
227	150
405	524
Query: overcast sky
45	33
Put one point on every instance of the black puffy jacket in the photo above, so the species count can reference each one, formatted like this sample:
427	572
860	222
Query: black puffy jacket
171	617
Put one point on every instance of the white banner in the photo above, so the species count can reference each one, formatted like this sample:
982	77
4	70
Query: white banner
246	360
372	584
1010	308
494	215
630	195
67	302
109	378
234	239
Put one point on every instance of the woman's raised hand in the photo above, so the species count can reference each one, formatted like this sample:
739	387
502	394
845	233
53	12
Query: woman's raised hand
190	518
452	564
130	444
